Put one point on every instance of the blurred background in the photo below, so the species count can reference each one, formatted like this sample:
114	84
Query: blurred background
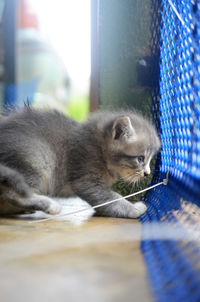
74	55
45	54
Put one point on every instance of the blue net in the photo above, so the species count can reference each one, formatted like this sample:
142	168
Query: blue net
174	261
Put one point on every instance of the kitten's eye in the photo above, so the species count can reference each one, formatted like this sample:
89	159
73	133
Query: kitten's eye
140	159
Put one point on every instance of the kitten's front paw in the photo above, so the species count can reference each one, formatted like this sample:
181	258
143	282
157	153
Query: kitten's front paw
48	205
138	209
54	208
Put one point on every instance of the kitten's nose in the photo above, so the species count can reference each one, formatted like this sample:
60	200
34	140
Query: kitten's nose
147	171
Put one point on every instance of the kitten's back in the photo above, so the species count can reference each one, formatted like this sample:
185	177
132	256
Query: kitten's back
34	142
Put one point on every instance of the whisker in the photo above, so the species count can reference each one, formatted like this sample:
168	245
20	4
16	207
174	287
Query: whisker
125	178
130	178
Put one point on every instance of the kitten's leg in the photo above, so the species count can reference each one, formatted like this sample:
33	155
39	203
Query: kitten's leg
123	208
10	178
100	193
34	202
15	190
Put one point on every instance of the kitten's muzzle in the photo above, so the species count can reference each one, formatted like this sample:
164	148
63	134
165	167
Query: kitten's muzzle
147	171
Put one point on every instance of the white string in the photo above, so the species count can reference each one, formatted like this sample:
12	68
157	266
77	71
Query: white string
176	12
180	17
164	182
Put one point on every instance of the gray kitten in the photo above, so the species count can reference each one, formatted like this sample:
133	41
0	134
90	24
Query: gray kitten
44	154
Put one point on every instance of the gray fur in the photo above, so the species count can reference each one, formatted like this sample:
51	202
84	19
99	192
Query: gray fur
44	154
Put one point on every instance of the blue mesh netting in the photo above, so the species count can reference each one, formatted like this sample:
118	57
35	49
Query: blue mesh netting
174	264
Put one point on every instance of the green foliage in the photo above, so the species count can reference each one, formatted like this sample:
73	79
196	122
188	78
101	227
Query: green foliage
78	107
126	189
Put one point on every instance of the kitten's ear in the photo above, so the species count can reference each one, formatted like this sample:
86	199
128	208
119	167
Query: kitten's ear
123	129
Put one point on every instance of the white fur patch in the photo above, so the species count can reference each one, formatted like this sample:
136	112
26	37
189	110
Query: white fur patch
140	208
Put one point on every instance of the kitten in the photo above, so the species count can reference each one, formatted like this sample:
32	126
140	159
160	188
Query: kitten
44	154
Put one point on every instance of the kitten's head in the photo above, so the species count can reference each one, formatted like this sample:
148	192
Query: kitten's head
131	143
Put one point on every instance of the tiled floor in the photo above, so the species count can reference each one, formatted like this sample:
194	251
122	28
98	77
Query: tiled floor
90	259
